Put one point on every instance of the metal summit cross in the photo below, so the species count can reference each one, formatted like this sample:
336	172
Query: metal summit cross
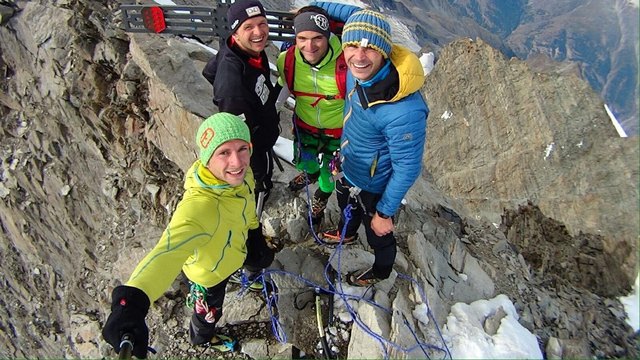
196	20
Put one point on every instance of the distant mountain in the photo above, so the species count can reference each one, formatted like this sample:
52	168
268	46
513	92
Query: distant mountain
597	39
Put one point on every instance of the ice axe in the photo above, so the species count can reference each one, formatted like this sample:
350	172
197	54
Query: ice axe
260	203
126	346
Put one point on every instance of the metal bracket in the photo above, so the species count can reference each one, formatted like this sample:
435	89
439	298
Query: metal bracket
196	20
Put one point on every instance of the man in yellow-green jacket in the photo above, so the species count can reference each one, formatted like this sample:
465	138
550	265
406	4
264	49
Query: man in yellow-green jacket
212	233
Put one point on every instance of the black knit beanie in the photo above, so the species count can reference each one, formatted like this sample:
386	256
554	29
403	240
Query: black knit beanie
242	10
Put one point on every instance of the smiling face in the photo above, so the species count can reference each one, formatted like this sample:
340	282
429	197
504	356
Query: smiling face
363	62
312	45
230	161
252	35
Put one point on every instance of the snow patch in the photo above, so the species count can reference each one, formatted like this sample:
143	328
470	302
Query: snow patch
421	313
548	150
630	303
614	120
467	339
400	34
427	60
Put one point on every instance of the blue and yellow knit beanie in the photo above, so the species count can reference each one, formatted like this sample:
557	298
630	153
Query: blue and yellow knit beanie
217	130
368	28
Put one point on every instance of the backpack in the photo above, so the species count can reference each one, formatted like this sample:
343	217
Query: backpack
340	75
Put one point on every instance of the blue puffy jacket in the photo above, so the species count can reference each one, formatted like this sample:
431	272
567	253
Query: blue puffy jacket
337	11
384	135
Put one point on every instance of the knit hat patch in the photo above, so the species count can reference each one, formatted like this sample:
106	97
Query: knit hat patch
368	28
312	21
242	10
217	130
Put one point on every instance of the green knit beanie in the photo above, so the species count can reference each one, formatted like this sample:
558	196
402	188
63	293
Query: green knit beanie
217	130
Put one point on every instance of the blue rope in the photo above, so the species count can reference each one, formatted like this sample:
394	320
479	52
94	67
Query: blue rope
425	300
277	327
356	318
331	289
271	300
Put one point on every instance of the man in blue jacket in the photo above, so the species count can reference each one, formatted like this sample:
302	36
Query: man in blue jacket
383	138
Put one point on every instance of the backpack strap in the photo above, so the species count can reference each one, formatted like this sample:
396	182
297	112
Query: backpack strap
290	67
336	27
341	75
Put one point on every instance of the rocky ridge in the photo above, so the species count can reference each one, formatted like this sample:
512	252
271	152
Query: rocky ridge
516	136
96	134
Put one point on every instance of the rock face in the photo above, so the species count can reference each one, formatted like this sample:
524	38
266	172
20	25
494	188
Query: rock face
513	135
97	129
78	175
549	249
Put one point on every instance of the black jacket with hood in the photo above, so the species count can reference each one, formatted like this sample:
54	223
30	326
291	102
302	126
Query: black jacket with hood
240	88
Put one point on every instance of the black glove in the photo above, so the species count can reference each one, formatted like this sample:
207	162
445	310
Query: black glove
275	244
129	307
259	255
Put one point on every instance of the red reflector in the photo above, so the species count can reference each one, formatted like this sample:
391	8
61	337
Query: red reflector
153	19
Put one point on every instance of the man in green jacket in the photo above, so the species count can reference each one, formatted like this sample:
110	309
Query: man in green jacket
207	239
312	79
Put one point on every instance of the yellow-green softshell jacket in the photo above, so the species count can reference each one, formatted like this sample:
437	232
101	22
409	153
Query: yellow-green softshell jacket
327	114
206	236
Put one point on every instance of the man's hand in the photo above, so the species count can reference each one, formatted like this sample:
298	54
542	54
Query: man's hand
259	254
275	244
381	226
129	307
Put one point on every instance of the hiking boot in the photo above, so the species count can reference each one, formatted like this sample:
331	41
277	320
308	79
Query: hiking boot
362	278
333	237
251	282
301	180
318	204
222	343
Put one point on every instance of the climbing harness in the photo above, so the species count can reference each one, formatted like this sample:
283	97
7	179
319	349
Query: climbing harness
197	298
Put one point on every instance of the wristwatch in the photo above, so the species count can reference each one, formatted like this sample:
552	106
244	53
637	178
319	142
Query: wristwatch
384	216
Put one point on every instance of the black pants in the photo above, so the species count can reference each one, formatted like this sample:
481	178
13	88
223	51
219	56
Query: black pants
362	209
262	167
200	330
259	256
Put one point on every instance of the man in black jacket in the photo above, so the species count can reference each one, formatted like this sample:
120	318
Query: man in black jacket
240	76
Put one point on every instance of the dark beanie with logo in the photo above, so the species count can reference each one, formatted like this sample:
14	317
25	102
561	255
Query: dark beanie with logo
242	10
312	21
